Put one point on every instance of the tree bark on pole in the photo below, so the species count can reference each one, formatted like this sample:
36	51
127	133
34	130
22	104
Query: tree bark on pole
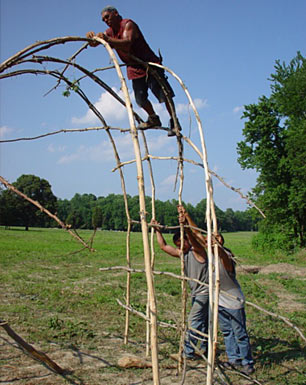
216	283
183	283
148	326
144	224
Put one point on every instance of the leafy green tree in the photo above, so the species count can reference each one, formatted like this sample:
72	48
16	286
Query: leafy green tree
170	213
82	204
25	213
97	217
244	221
63	208
230	223
8	213
275	146
200	214
74	219
133	203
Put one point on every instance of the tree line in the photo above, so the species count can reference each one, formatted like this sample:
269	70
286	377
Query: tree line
86	211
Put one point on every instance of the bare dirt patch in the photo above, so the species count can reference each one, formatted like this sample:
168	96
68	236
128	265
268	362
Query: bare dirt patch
288	301
101	367
86	367
284	268
278	268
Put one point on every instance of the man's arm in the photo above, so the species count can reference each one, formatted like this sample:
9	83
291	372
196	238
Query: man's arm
196	239
130	33
191	231
173	251
226	256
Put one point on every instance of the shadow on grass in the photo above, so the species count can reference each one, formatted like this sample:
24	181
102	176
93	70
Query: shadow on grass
81	355
264	351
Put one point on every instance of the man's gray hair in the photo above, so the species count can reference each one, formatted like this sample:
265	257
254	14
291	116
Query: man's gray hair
109	8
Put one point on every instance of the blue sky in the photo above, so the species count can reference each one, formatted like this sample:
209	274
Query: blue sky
223	50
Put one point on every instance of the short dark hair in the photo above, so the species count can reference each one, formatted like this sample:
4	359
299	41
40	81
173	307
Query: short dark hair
109	8
177	236
222	239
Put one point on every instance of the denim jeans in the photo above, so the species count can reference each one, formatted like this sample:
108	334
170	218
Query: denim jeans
197	319
233	326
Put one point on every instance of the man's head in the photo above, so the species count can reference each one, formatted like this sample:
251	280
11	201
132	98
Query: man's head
109	8
220	239
110	16
177	242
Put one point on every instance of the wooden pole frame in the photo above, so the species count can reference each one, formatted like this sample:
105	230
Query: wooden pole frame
29	55
30	51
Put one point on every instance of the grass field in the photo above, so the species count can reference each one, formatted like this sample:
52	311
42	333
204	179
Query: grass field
54	296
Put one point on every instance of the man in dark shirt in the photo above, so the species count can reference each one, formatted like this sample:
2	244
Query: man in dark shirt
126	38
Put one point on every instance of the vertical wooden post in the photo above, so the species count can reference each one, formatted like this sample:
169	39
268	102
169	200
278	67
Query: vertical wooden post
148	328
183	283
144	224
128	278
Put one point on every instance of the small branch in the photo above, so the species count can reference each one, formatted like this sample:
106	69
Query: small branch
84	46
222	180
53	133
66	130
40	356
143	316
284	319
148	156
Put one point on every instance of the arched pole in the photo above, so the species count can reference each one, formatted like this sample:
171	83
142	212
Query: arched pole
144	224
209	203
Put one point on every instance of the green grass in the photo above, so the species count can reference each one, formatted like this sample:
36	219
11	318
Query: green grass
50	292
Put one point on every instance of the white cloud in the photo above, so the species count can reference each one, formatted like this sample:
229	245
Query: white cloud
114	113
167	183
200	103
4	131
108	106
237	109
52	148
186	108
159	142
66	159
102	152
